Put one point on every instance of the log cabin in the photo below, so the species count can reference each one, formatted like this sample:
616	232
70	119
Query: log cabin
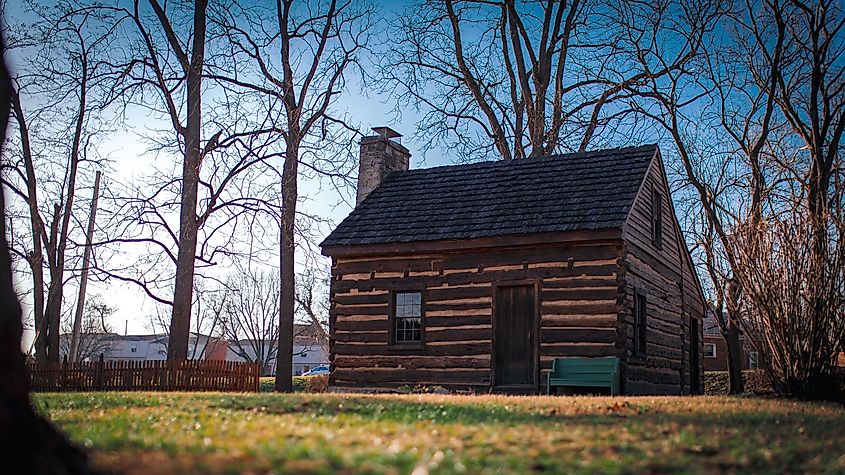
476	277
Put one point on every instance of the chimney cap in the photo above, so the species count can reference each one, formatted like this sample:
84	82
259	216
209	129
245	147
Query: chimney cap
386	132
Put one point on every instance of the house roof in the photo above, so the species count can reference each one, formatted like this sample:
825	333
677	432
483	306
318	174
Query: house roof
571	192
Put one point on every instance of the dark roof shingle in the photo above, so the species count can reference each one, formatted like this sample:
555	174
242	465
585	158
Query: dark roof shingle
582	191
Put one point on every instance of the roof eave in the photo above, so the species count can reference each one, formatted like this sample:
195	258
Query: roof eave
568	237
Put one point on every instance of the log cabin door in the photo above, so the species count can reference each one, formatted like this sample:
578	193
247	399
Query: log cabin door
515	337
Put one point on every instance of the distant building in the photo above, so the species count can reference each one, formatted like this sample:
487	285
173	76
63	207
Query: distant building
716	349
152	347
310	348
309	351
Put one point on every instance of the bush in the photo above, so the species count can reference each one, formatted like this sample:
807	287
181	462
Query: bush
300	384
828	387
317	384
717	383
267	384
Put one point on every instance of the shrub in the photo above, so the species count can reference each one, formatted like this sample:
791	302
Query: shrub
791	271
267	384
300	384
717	383
829	387
317	384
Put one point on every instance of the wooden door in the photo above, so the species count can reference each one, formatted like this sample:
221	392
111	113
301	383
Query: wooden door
515	336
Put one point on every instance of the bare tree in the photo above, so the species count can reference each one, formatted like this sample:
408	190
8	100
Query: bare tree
188	130
796	287
95	334
796	298
312	305
251	317
757	171
295	55
512	78
218	138
37	445
56	100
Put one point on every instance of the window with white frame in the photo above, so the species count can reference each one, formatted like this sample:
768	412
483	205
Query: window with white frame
407	318
709	350
752	360
134	349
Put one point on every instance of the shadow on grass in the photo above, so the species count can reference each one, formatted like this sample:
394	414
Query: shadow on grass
606	412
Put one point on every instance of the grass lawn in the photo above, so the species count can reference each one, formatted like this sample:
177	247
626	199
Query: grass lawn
331	433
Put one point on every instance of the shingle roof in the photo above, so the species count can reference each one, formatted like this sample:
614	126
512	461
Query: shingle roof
582	191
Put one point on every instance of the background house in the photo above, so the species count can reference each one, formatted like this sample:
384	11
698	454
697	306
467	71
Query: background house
115	347
716	349
310	349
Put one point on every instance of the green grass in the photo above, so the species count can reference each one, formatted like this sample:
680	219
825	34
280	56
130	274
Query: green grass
331	433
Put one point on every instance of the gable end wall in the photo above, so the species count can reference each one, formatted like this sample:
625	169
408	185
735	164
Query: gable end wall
665	276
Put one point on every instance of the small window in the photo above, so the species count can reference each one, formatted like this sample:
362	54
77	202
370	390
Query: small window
709	350
657	219
640	324
407	318
134	349
752	360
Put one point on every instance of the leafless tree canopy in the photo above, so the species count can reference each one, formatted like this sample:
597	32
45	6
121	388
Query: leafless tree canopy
517	78
757	122
251	316
96	333
60	92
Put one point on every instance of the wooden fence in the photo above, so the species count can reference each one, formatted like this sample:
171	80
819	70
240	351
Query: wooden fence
186	375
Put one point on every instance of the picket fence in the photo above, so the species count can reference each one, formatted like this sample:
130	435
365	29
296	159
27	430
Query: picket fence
185	375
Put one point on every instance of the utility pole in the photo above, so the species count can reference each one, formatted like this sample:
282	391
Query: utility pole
83	283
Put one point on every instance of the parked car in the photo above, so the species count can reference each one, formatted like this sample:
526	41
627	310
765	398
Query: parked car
317	370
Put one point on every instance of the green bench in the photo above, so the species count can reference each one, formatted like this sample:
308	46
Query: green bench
585	372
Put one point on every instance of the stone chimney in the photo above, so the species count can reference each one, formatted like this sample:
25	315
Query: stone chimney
381	154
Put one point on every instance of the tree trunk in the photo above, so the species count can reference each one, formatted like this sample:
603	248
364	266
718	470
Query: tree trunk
180	321
284	355
732	340
734	359
83	280
53	312
36	256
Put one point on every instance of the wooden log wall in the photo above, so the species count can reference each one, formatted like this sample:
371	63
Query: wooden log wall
580	287
665	276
